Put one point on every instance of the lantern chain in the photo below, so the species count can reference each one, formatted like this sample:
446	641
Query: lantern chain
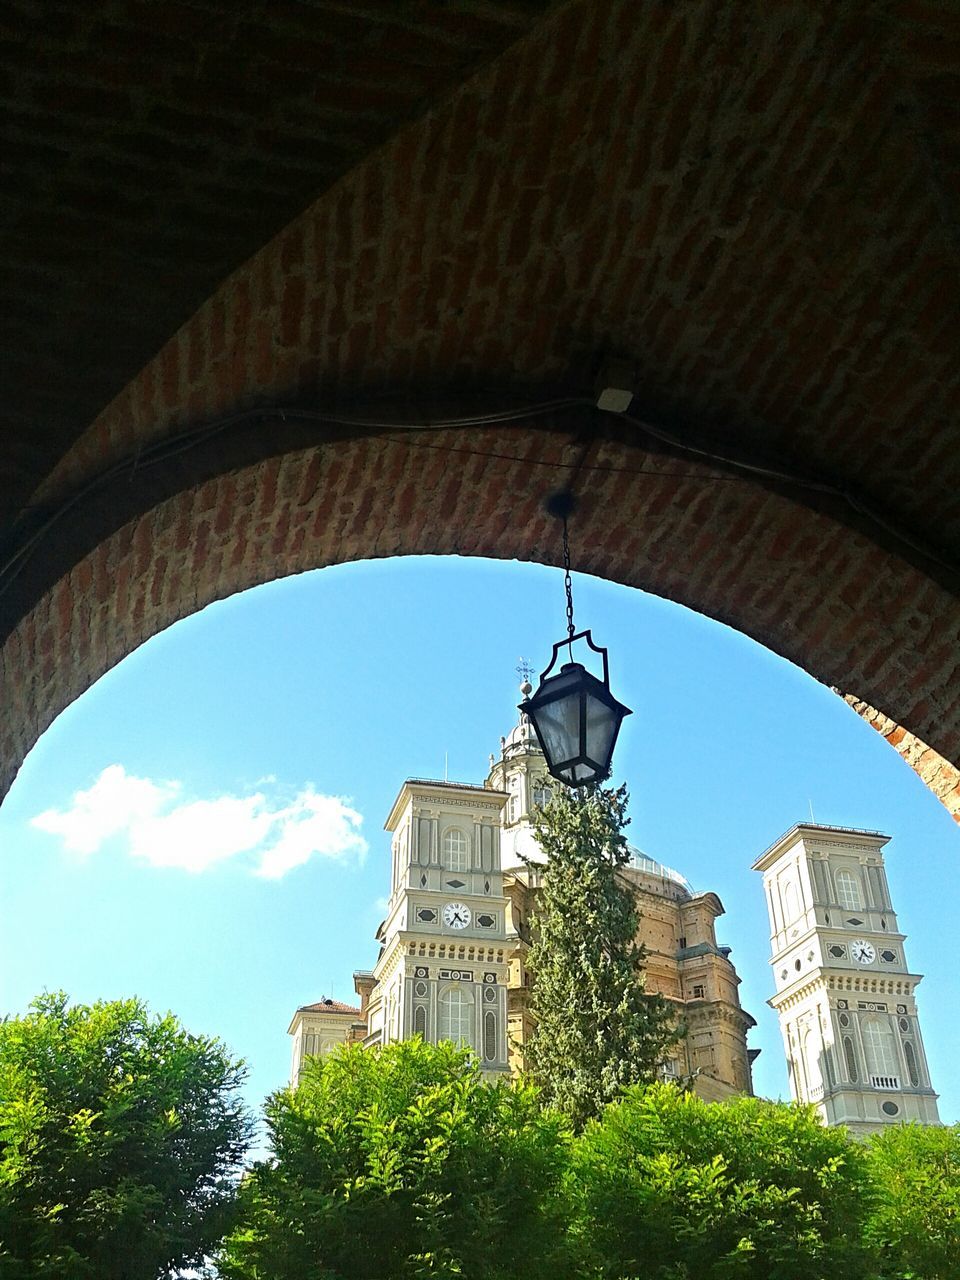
567	580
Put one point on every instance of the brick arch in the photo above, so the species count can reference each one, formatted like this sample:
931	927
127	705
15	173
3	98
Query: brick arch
799	582
598	188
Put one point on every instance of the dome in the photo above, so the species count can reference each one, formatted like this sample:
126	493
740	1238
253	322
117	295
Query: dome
519	844
521	735
641	861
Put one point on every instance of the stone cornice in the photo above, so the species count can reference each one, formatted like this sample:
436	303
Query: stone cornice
792	997
826	837
441	795
711	1012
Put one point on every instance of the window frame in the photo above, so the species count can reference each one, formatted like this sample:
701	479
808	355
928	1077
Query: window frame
540	787
879	1046
462	852
465	1010
843	880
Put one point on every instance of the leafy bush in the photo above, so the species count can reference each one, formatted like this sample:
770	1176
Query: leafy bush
668	1187
121	1136
915	1225
402	1161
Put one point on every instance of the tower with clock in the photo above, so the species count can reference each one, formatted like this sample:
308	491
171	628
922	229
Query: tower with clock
465	875
844	992
443	965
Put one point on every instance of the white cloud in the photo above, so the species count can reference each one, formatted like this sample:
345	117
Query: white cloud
161	827
116	802
313	823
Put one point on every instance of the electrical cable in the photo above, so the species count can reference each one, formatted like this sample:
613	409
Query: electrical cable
754	468
797	481
577	465
182	442
173	446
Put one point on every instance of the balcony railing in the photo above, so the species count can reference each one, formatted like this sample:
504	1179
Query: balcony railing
885	1082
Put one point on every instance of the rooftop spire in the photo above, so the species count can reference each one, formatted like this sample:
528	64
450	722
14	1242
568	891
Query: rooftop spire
524	670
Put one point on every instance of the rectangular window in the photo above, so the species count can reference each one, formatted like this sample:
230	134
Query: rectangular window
698	993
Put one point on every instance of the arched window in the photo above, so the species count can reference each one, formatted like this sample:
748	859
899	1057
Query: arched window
879	1046
541	792
490	1036
455	850
850	1055
913	1067
790	910
811	1059
420	1021
513	804
848	891
456	1016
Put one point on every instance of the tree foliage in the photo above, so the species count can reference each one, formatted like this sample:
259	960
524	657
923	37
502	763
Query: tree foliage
915	1225
402	1161
672	1188
120	1138
597	1031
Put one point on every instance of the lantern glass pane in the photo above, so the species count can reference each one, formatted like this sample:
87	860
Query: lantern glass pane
580	774
559	727
603	722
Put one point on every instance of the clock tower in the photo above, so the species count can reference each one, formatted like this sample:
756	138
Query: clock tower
844	991
443	965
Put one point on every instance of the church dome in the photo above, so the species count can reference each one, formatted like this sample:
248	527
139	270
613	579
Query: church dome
641	861
521	735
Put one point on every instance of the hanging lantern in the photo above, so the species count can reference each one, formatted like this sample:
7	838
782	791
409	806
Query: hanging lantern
574	715
576	718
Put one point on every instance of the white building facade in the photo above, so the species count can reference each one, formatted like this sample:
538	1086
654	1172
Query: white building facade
845	995
453	947
443	965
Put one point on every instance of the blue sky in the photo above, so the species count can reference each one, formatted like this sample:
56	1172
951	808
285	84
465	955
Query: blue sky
203	828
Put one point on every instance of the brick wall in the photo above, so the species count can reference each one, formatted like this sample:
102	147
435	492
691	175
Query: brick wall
800	583
942	777
732	196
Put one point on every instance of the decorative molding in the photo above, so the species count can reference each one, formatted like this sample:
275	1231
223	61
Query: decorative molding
436	810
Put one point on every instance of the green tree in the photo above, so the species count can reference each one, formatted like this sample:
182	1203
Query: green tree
915	1225
598	1030
121	1136
402	1161
669	1187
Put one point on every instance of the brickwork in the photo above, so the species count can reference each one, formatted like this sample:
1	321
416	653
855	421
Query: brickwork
149	149
828	601
942	777
753	203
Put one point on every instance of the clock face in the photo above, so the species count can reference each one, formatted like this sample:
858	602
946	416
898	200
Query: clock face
862	951
456	915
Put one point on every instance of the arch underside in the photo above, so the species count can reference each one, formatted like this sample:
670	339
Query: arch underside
746	205
801	583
